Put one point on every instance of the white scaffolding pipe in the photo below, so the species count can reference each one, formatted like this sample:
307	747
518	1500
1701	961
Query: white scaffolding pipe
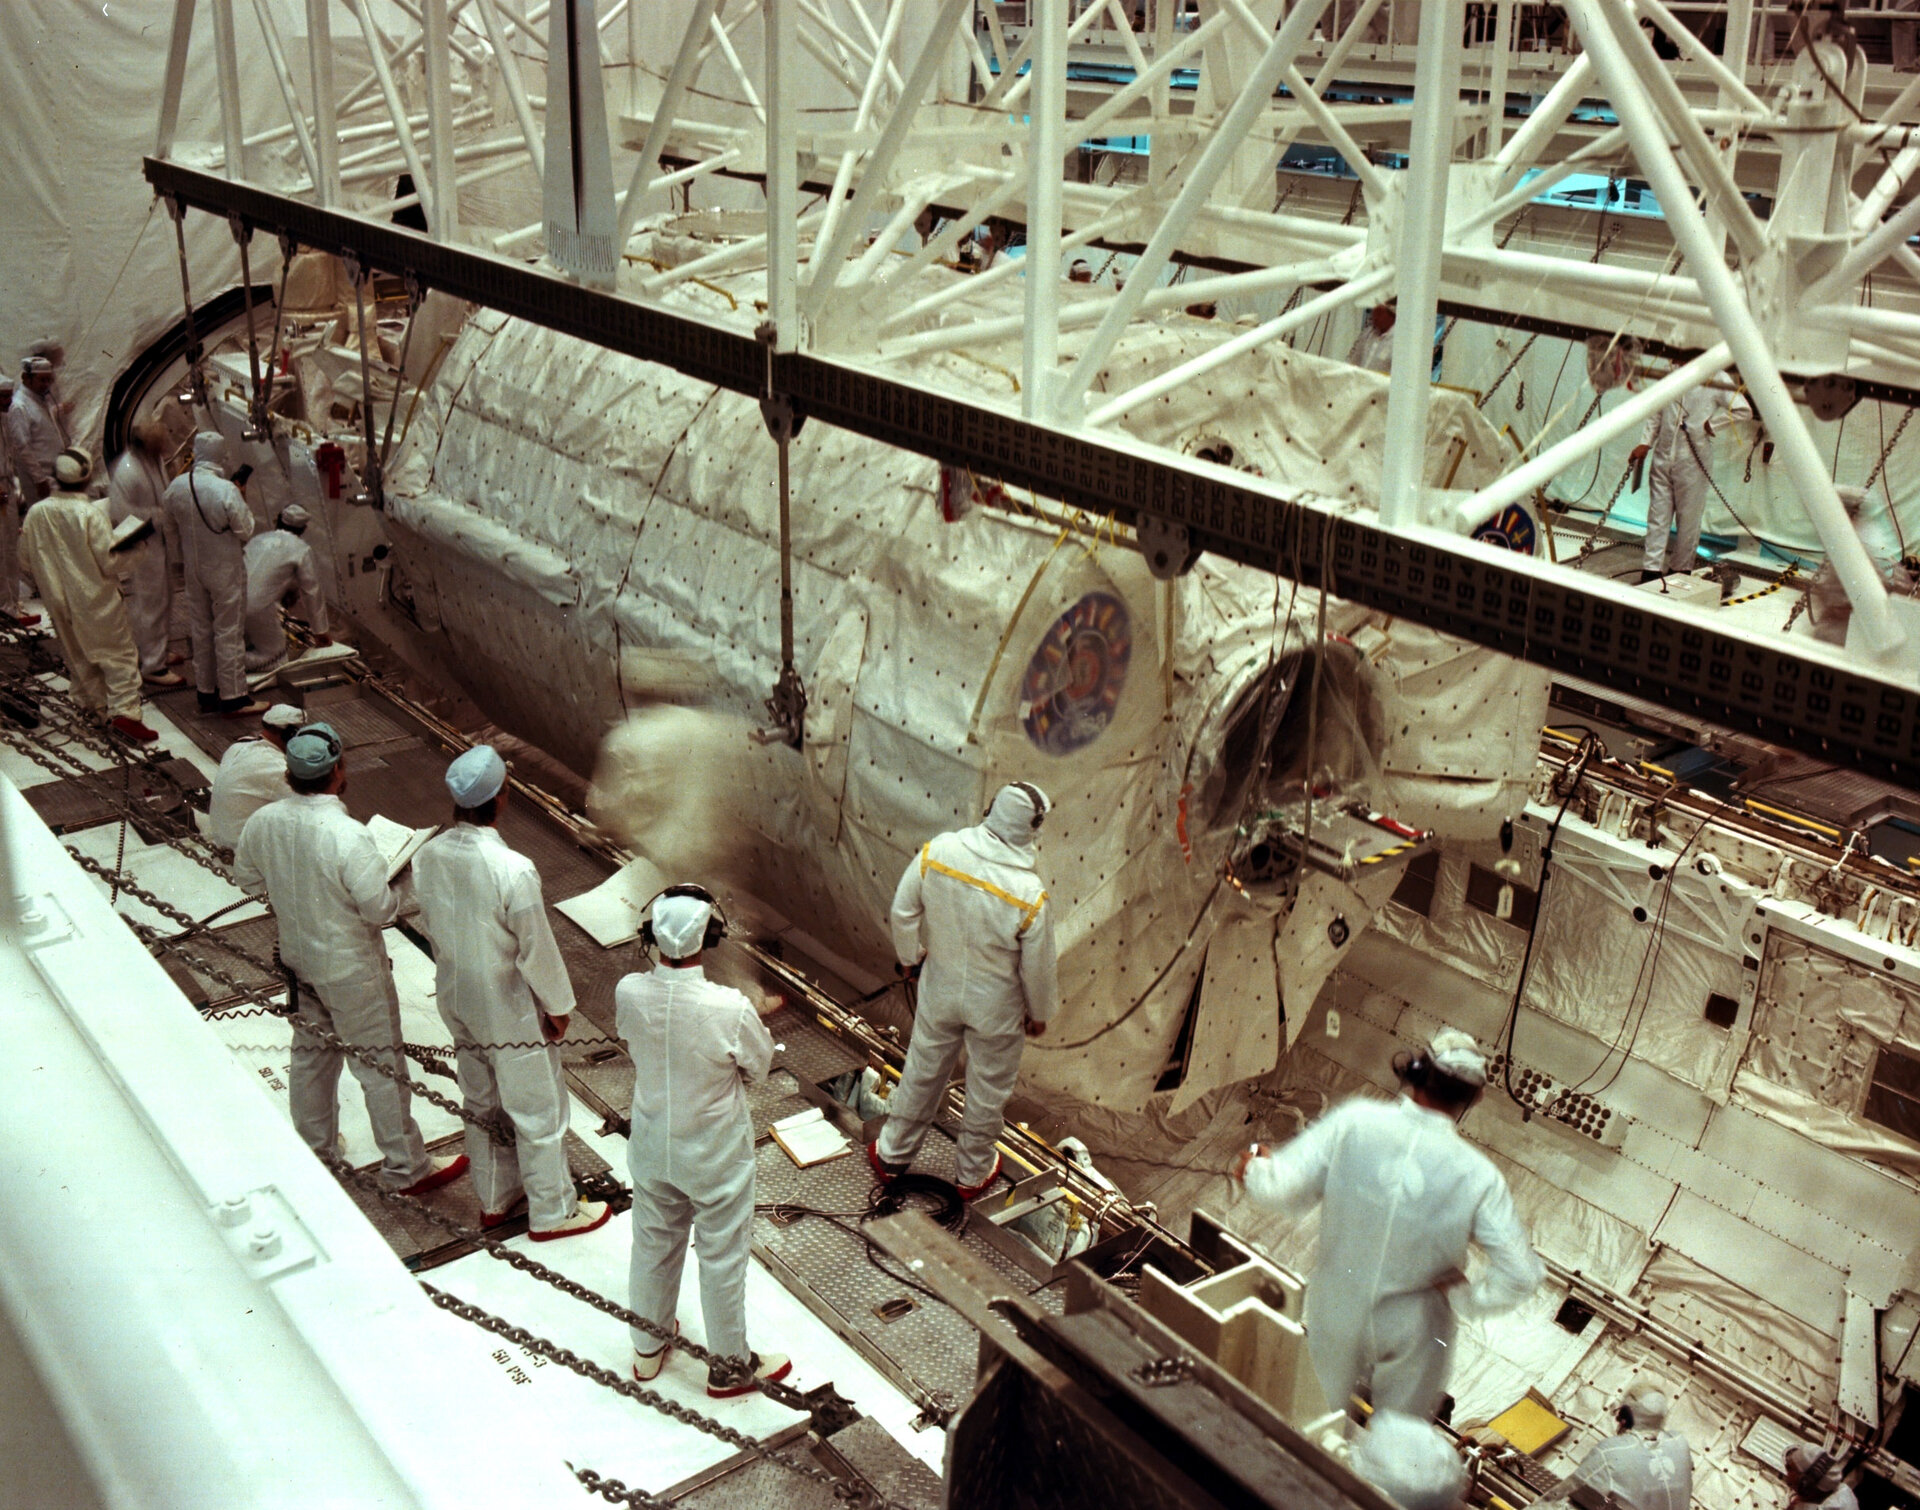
1523	480
376	49
1000	270
686	65
830	251
1868	253
1724	296
873	43
1337	135
780	23
516	88
1497	84
1417	250
1360	288
736	254
837	196
326	121
1046	146
1733	89
1228	133
179	44
227	66
911	207
436	28
1548	117
725	39
290	97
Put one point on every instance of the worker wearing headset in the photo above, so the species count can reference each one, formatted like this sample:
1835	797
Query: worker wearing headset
696	1045
1817	1478
1642	1467
1404	1195
971	906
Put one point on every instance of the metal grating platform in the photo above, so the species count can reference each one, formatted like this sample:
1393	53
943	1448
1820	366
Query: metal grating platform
932	1351
258	936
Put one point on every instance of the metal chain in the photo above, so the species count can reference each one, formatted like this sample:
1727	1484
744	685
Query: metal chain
636	1391
614	1492
1881	465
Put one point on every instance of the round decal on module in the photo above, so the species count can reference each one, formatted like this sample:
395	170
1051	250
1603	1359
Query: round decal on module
1075	678
1511	528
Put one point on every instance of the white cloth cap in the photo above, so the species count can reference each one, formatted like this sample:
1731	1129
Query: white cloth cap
72	466
1014	817
1454	1053
1649	1409
6	385
209	447
680	925
38	366
295	517
283	716
1410	1462
476	776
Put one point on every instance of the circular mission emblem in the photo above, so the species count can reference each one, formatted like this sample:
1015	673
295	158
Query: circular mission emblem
1074	680
1512	528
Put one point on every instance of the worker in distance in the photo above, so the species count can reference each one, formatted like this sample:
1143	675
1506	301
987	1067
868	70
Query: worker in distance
1643	1466
1404	1195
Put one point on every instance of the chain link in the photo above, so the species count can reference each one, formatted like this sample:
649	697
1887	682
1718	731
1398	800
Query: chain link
652	1399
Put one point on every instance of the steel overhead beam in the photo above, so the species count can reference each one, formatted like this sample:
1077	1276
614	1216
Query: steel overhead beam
1808	699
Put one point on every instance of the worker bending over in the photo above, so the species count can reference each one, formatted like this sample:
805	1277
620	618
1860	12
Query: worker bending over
695	1046
1818	1480
1404	1194
67	544
1410	1461
504	994
1644	1467
280	570
972	908
252	773
214	525
327	882
136	486
1678	439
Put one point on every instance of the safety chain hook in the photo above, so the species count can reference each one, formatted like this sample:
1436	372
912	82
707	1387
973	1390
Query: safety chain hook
787	706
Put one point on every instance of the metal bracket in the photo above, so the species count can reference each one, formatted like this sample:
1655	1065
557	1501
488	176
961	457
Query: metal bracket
1167	545
787	704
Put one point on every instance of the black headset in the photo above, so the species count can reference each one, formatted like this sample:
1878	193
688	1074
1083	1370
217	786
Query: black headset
325	735
717	927
1034	796
1811	1482
1623	1416
1419	1071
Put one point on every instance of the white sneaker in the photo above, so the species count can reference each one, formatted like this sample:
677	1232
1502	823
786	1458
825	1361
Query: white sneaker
647	1366
588	1216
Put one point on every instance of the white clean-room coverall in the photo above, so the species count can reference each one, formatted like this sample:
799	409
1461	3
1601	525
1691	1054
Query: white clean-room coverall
35	436
1404	1194
252	773
972	904
695	1046
1644	1470
278	562
66	543
497	967
134	491
214	525
327	881
9	527
1678	450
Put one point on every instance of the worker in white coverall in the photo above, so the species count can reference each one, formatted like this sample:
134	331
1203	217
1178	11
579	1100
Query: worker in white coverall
327	881
1373	347
10	520
135	487
1817	1480
280	570
35	431
252	773
695	1045
1676	445
214	524
972	908
67	544
1409	1461
504	994
1403	1196
1644	1467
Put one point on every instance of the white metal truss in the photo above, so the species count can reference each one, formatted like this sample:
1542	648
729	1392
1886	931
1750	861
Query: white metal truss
858	118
